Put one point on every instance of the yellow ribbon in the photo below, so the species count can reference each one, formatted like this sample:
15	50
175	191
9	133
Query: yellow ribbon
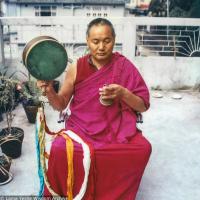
70	177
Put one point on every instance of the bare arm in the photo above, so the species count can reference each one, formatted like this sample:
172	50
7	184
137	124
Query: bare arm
135	102
60	101
117	91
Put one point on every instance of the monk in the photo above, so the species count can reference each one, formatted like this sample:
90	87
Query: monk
106	91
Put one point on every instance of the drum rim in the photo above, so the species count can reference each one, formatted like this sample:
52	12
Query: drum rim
28	45
33	45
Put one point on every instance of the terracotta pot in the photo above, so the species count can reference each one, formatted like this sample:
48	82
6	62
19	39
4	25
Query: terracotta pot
45	58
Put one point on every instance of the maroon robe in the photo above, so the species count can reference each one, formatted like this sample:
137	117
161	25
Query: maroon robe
121	152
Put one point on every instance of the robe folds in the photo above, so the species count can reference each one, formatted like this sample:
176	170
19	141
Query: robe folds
121	152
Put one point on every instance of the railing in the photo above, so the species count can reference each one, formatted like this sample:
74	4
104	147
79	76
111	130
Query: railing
153	44
141	36
168	40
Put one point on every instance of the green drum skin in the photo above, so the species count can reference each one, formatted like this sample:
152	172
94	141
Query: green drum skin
45	58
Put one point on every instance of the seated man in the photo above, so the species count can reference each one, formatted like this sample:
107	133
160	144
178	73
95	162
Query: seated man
106	90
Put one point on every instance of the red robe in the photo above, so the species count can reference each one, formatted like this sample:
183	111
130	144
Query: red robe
121	152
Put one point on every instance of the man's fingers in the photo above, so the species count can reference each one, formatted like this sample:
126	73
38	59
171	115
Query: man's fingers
109	92
113	96
43	90
110	88
41	83
106	93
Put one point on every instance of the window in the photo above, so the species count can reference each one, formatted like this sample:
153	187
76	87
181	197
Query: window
96	8
21	44
45	10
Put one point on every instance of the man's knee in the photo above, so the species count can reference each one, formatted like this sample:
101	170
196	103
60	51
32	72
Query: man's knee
148	148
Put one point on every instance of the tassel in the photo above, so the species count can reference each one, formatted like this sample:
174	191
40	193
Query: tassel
40	171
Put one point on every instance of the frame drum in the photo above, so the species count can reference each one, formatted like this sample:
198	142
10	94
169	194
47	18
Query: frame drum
45	58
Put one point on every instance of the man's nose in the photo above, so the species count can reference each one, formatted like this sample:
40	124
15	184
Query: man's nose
101	46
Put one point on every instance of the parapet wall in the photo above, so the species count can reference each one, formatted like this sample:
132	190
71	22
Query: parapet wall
169	73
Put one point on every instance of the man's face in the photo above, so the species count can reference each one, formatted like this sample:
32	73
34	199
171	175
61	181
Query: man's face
100	42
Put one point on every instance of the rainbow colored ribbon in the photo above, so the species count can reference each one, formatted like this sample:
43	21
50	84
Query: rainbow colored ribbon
88	153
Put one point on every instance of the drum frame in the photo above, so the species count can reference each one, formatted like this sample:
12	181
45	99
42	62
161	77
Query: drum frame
32	43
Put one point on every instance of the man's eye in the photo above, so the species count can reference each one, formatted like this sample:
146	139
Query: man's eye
95	41
107	41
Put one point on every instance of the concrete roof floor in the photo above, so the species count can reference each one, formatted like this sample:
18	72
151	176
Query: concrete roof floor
173	128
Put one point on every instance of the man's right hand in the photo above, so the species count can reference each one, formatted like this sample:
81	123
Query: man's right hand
45	86
60	100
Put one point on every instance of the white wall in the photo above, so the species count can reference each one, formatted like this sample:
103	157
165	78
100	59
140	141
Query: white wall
169	72
11	10
28	10
66	11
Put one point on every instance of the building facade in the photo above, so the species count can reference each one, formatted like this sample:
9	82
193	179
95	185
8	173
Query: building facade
88	8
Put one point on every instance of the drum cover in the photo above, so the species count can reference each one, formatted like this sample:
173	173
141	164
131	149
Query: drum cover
45	58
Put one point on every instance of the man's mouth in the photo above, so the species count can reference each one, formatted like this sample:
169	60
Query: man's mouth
101	54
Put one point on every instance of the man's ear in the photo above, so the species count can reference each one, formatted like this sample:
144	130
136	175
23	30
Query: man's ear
87	42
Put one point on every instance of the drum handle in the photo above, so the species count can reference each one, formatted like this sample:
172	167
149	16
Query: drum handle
44	93
70	60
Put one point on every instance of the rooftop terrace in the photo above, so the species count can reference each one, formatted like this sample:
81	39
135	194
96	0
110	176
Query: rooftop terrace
171	125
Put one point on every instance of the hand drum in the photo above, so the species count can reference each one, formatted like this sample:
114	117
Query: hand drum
45	58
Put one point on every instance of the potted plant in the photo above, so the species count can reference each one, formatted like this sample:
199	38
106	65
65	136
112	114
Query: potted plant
10	137
5	175
30	98
4	75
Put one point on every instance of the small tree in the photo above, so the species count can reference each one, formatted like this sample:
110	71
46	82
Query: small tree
7	98
7	94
